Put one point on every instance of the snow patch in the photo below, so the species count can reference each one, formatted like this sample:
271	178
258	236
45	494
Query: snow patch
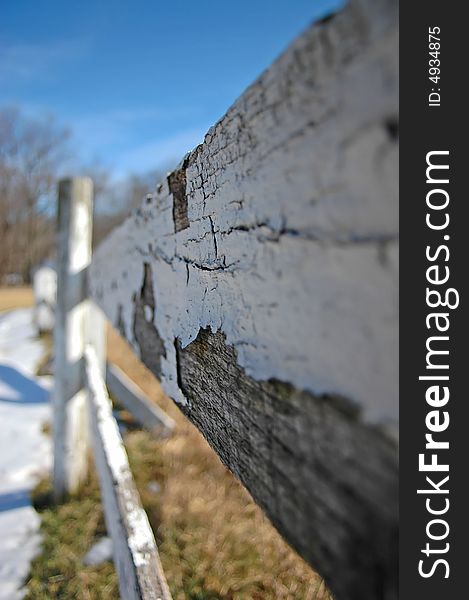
25	452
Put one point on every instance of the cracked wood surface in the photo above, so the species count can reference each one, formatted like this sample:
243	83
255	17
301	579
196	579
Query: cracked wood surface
259	282
328	482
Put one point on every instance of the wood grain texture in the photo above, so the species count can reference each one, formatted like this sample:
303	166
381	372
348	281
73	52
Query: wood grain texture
135	553
328	482
267	298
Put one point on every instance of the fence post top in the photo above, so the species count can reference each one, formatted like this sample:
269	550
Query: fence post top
69	184
75	179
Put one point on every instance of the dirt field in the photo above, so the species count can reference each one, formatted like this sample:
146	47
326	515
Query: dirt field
15	297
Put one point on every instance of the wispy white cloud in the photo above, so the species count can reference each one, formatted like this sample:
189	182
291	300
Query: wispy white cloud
113	139
159	152
105	129
26	62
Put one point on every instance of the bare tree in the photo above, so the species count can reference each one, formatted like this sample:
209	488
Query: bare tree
32	151
115	200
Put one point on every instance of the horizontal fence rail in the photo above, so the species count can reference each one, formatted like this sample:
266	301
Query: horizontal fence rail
135	553
131	397
260	283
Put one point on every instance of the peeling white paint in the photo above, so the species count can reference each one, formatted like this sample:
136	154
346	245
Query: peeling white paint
292	246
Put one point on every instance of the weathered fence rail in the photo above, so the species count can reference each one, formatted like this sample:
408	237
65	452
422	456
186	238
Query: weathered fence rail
259	282
135	554
131	397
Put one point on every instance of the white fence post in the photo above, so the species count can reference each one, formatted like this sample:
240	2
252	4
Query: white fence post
71	437
44	289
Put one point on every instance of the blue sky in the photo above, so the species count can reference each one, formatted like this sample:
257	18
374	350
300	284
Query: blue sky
140	82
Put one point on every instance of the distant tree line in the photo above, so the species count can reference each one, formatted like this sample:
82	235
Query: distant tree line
34	153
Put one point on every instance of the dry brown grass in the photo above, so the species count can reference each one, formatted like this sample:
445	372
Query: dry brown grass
15	297
68	531
214	540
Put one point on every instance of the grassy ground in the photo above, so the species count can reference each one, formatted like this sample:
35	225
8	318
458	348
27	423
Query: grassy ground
15	297
68	531
214	543
213	540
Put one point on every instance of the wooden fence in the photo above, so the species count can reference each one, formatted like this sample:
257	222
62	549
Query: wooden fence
83	410
259	283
